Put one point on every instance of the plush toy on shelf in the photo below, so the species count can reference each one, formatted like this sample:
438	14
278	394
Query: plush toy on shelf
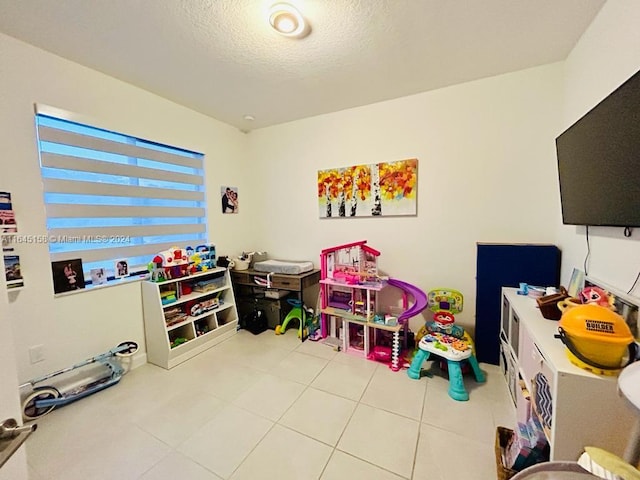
598	296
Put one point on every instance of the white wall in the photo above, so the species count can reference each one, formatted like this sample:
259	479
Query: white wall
607	54
74	327
486	174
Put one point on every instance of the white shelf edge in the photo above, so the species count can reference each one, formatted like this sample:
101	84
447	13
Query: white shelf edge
192	276
179	324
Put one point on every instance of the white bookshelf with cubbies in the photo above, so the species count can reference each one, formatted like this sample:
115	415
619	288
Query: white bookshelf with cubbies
187	315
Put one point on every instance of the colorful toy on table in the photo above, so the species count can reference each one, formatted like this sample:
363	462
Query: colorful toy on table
443	338
445	303
445	300
448	345
443	322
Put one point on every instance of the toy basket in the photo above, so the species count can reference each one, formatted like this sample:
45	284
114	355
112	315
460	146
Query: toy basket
549	304
503	435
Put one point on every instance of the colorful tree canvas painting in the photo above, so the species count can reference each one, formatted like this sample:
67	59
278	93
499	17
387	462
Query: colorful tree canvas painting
375	190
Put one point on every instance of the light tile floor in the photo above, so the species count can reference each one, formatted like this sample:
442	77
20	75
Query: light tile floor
270	407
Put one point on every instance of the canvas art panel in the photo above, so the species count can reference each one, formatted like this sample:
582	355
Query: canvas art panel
373	190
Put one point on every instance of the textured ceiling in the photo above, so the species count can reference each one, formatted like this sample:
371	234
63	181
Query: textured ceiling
221	58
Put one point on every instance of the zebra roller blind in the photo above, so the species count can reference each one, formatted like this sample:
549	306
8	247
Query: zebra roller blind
110	196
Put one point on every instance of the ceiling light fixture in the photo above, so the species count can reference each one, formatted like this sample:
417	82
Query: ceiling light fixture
288	21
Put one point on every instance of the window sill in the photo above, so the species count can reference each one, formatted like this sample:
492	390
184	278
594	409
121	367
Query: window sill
111	283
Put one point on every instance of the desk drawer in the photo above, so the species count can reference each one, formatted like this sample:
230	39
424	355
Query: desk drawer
242	278
286	283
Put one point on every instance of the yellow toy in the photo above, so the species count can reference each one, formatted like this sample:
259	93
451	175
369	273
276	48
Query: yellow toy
597	339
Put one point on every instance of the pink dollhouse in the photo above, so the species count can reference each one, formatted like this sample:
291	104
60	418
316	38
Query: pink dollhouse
349	285
352	319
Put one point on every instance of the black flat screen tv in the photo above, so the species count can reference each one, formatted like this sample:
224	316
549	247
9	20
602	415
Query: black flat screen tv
599	162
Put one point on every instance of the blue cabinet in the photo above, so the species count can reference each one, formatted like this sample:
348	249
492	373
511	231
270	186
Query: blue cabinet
507	265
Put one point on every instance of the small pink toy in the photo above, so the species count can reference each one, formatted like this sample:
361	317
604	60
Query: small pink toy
598	296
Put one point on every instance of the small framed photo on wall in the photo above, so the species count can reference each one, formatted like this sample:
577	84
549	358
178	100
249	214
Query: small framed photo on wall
229	199
67	275
98	276
121	268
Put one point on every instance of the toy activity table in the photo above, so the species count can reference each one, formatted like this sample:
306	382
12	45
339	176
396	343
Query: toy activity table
454	351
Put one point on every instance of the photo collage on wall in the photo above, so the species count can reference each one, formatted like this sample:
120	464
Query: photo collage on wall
7	215
13	274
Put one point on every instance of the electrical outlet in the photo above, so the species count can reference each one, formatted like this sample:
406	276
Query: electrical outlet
36	353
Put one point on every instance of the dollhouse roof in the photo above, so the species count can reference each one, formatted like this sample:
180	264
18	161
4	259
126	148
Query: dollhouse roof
373	251
361	244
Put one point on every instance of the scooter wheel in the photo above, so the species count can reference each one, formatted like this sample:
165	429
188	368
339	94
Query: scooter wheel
129	348
30	411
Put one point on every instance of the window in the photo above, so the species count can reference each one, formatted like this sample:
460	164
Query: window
110	196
